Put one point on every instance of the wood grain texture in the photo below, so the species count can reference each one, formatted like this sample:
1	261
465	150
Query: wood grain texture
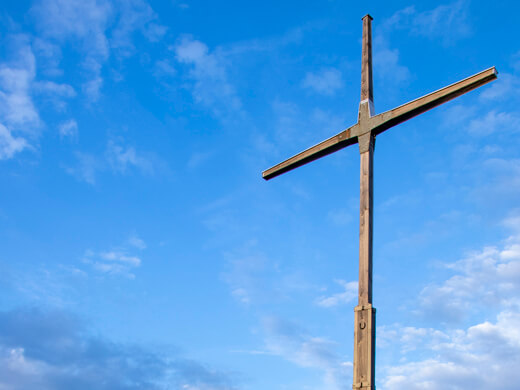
367	90
366	202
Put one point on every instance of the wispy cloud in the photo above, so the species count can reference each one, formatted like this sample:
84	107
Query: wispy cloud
122	158
17	109
136	242
209	75
293	124
348	295
135	15
19	119
494	122
449	22
505	87
55	93
446	23
249	276
118	158
10	145
387	65
120	260
94	28
68	128
81	22
49	57
326	81
85	168
254	278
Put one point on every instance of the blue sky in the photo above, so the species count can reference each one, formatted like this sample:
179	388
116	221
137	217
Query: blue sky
141	248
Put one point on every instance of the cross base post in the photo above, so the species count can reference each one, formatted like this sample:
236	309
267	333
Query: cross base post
364	348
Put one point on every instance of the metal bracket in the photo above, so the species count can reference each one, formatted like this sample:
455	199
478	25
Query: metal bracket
364	307
363	385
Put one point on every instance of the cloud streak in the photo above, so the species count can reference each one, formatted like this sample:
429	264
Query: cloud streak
350	292
286	339
325	82
209	75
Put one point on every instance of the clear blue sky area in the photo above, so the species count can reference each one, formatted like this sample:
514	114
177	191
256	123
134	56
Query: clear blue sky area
141	249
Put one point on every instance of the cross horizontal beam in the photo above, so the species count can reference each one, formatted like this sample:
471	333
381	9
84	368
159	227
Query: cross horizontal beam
381	122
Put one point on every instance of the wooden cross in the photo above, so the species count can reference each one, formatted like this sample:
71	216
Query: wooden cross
364	132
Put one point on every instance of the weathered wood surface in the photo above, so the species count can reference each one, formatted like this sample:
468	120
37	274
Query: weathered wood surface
330	145
367	89
364	347
366	202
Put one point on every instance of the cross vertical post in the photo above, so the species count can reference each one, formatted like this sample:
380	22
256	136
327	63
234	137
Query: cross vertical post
368	126
364	313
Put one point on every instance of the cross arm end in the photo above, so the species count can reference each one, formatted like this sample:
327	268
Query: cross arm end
339	141
385	120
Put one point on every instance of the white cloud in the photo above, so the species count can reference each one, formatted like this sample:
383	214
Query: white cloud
118	260
326	81
485	282
52	88
116	256
55	93
489	277
296	127
386	64
192	51
164	68
122	158
86	167
469	359
84	20
135	15
10	145
449	22
49	57
118	158
198	158
348	295
494	122
68	128
79	21
137	242
208	71
255	279
387	67
16	106
248	278
18	114
504	87
92	88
